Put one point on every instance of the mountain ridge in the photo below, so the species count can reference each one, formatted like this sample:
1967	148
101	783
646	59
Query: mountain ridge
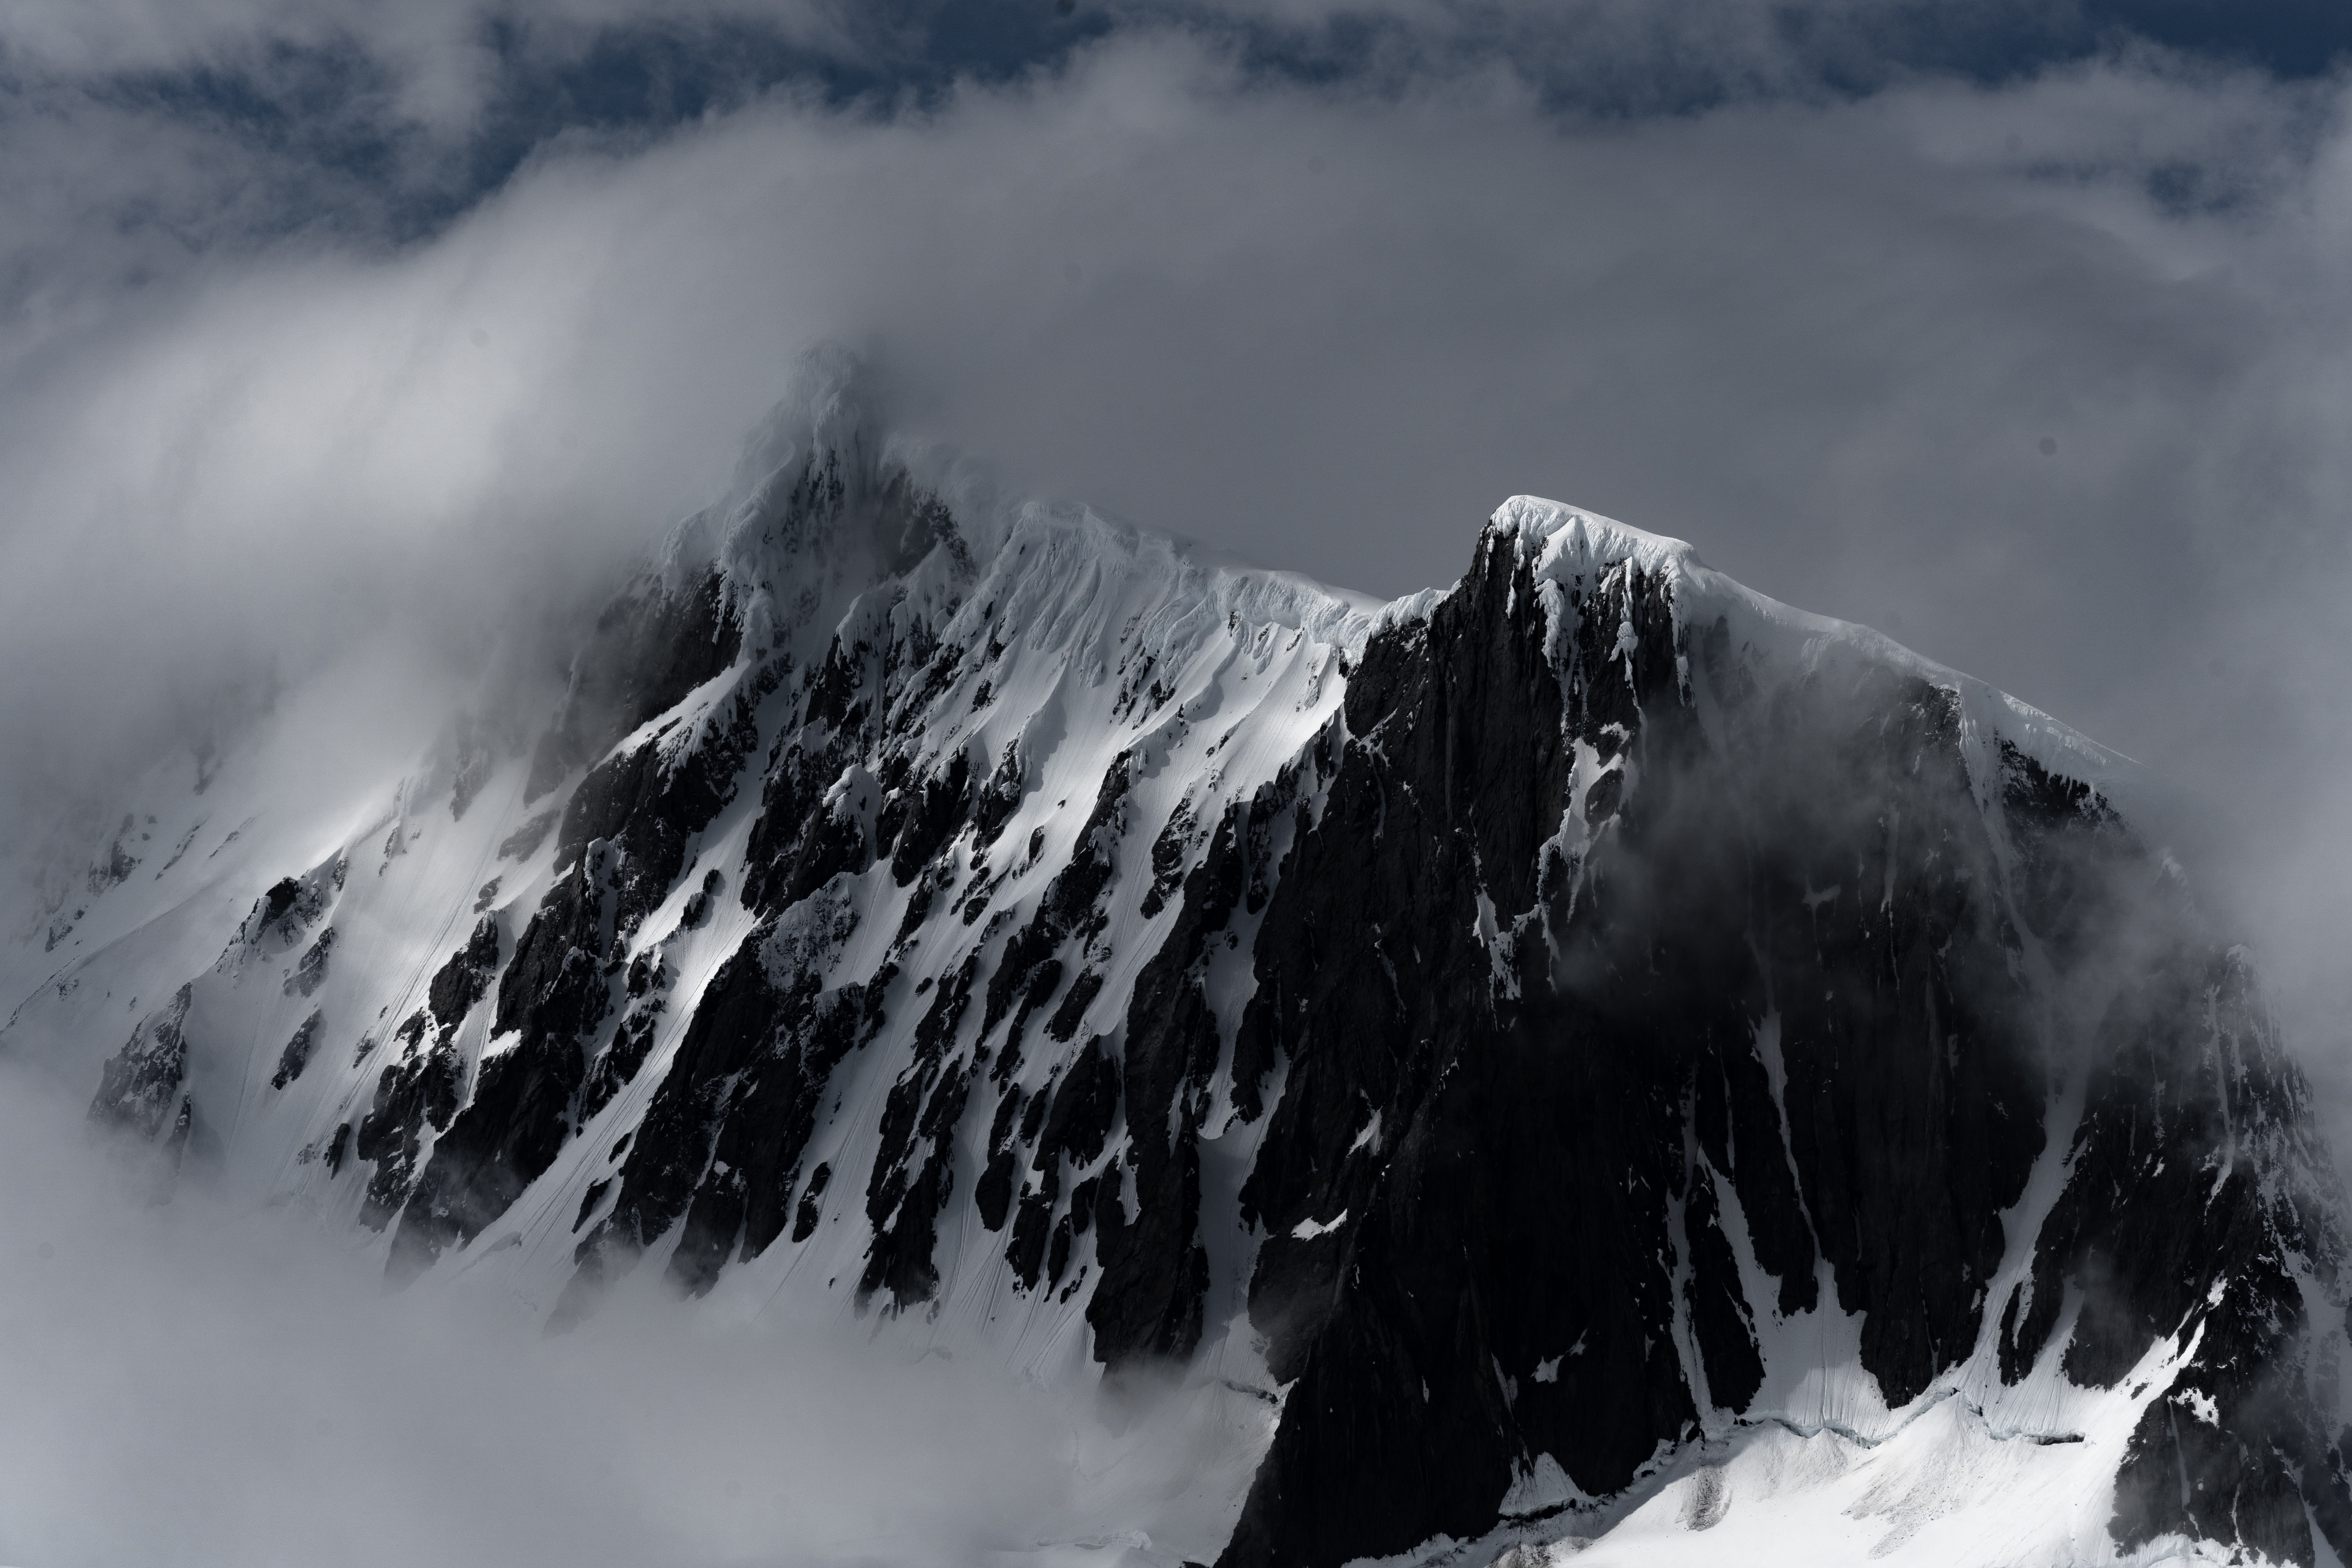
1000	916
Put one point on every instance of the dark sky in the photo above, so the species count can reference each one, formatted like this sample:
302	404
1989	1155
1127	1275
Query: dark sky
2017	330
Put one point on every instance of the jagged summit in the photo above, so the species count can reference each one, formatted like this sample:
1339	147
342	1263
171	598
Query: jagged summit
829	498
1558	533
1588	1052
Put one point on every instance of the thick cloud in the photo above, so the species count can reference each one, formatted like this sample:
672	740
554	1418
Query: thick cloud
1330	327
199	1384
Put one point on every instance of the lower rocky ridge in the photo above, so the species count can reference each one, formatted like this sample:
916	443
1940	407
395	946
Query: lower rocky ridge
1598	994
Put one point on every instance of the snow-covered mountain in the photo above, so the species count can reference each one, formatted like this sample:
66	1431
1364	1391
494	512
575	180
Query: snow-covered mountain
1591	1060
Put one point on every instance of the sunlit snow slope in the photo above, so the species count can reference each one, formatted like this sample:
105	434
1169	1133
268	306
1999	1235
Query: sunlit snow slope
1594	1062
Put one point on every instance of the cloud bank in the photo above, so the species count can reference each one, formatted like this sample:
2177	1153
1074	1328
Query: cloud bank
215	1388
1329	326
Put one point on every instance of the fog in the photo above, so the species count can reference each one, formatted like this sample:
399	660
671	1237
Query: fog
2047	378
199	1384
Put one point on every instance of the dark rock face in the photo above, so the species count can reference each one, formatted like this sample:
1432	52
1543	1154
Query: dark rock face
621	843
297	1054
424	1086
621	840
466	978
311	970
420	1089
719	1152
2177	1222
524	841
721	1143
650	649
138	1091
555	990
291	906
1155	1270
649	804
1790	970
118	862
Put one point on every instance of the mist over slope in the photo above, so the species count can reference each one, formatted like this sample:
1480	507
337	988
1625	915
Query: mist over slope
211	1383
1592	1053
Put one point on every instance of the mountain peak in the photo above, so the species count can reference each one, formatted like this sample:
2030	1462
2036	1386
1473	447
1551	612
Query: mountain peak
1522	1051
1557	536
833	400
